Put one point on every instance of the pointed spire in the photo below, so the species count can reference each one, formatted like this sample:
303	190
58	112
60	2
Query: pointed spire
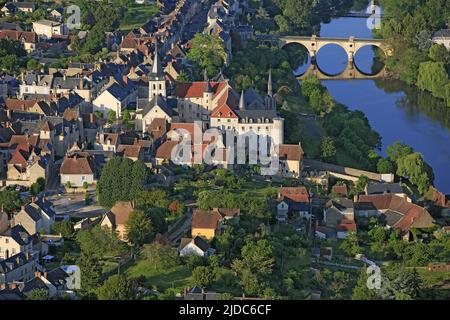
269	84
205	75
242	103
157	70
208	88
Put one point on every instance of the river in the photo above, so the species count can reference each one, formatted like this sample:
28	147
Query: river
397	111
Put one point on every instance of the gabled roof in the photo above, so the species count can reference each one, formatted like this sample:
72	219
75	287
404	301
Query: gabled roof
77	165
13	262
205	219
199	242
290	152
18	234
196	89
118	92
296	194
121	211
413	216
157	101
130	151
340	204
223	111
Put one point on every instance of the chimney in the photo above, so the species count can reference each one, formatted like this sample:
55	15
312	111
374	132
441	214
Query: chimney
81	83
46	275
91	118
37	274
12	286
33	199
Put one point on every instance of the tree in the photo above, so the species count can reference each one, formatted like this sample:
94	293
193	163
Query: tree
139	228
64	228
38	186
10	200
385	166
433	77
111	116
116	287
328	149
32	64
350	245
160	257
202	276
207	52
361	184
90	270
38	294
255	265
398	150
361	291
439	53
121	180
99	241
416	170
126	116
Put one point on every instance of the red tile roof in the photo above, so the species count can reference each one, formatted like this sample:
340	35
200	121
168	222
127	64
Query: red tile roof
196	89
205	219
414	216
290	152
297	194
77	165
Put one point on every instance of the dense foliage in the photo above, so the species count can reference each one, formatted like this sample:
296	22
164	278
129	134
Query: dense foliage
121	180
408	27
208	53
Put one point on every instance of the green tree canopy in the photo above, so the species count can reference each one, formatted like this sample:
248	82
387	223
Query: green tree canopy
207	52
139	228
116	287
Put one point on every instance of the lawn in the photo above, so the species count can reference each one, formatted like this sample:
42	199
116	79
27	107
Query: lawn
431	279
176	277
136	16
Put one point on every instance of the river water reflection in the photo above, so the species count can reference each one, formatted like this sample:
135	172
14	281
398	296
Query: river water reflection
398	112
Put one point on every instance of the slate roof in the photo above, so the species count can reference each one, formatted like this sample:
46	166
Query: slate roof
46	206
33	211
18	234
444	33
118	92
160	102
380	188
13	262
197	241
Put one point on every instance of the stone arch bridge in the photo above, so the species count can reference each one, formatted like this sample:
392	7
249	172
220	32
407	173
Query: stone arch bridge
314	43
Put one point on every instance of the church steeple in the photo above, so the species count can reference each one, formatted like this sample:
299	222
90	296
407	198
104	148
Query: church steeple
157	81
157	70
242	103
269	84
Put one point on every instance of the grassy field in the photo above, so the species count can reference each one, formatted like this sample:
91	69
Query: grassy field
433	278
176	277
136	16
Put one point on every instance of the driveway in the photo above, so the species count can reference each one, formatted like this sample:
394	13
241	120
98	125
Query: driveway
74	206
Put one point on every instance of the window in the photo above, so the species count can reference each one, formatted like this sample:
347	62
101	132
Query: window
218	120
229	120
6	240
83	178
